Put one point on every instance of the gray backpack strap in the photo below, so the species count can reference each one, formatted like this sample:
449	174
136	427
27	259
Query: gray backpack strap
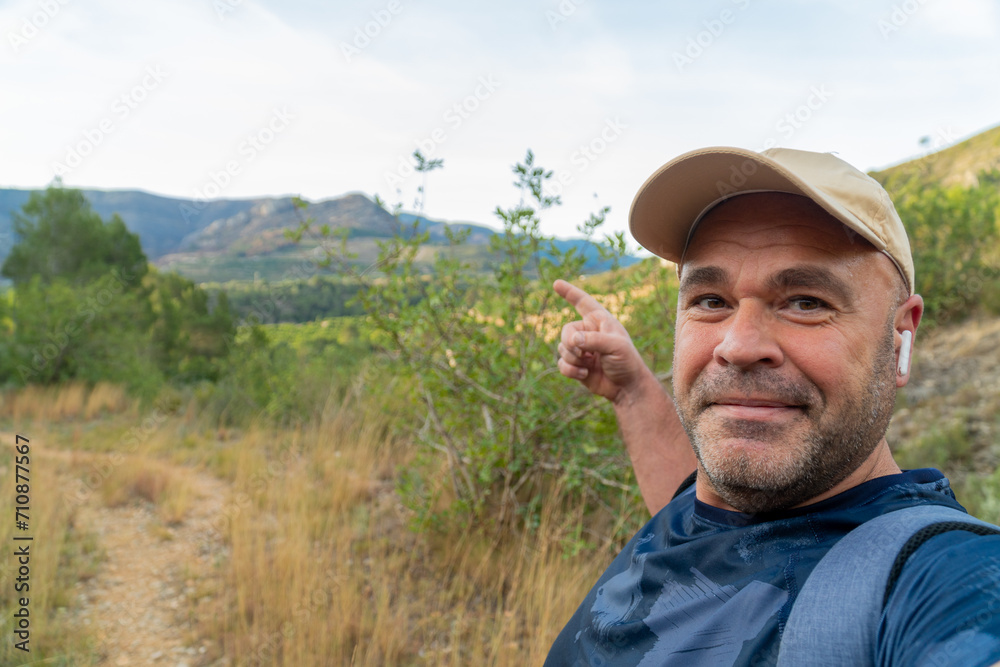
836	615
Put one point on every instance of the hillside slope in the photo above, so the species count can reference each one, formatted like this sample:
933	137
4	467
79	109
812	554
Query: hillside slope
948	416
261	228
958	165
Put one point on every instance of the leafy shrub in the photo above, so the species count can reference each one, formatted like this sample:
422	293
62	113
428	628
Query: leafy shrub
479	352
287	374
954	234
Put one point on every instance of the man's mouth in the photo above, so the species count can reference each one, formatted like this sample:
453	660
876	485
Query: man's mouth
755	409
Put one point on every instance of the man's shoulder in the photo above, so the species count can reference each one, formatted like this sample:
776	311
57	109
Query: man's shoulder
684	565
945	605
843	599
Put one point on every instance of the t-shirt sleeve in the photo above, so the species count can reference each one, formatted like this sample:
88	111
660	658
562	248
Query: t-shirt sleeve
945	607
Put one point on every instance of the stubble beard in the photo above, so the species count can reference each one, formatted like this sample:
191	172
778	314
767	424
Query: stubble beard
790	468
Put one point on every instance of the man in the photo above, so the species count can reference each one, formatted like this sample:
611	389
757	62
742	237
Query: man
795	318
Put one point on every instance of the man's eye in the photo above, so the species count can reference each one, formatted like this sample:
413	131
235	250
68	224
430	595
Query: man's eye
711	302
806	303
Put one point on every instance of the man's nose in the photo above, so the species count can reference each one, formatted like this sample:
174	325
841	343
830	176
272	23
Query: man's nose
748	339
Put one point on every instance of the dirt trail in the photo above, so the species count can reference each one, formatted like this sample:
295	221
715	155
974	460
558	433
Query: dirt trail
142	607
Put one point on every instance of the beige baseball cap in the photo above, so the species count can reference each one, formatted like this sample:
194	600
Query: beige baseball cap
671	203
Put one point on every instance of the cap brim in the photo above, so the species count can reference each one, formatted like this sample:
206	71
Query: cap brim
672	200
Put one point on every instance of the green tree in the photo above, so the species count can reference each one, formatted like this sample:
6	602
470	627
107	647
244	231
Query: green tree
189	337
85	306
59	235
91	332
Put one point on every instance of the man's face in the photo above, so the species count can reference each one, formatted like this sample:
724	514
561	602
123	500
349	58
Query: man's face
784	371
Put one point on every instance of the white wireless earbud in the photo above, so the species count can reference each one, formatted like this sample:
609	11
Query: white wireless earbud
904	353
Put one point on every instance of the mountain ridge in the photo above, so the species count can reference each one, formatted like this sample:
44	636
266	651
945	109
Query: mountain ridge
244	239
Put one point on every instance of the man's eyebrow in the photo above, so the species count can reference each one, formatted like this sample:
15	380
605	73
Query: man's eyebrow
812	277
702	276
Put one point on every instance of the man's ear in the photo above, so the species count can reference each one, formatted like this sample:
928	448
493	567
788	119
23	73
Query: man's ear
907	320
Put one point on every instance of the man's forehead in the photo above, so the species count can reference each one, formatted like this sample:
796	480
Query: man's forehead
763	221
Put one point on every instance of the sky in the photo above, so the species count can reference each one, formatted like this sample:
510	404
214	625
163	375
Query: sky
251	98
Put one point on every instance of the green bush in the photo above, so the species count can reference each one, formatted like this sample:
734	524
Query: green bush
478	352
284	374
954	234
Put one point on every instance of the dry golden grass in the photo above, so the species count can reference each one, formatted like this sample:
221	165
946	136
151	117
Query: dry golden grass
105	398
320	567
72	400
69	402
323	569
141	479
61	554
24	404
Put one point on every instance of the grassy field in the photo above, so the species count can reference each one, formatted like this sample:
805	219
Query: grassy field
315	564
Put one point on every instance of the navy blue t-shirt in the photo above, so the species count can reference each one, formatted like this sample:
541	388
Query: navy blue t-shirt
699	585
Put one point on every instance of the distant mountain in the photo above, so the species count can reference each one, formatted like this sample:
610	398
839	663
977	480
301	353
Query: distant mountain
160	222
261	228
244	239
478	234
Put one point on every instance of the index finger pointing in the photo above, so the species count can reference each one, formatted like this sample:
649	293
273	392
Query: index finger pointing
583	302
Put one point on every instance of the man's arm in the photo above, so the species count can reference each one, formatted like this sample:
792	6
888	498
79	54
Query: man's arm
597	351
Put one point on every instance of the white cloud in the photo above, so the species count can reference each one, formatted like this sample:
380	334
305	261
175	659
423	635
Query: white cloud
354	120
962	18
